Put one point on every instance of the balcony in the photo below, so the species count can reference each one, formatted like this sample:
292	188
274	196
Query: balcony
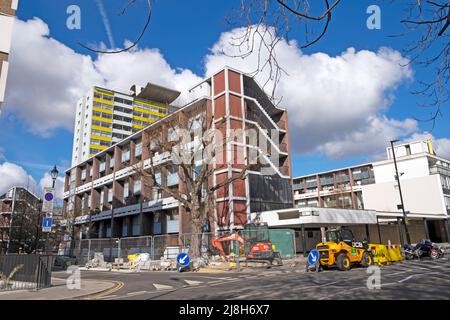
367	181
298	186
436	169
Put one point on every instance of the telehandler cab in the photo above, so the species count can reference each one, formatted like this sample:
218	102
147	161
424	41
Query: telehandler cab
342	251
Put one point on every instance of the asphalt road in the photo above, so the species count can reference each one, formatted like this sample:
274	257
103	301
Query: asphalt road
424	279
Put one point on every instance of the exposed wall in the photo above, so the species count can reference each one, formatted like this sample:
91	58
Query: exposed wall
411	168
421	195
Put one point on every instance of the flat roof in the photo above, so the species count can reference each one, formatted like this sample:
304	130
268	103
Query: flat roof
158	93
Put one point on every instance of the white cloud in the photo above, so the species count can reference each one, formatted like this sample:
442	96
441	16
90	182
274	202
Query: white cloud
12	175
47	78
46	181
141	66
441	145
336	104
369	140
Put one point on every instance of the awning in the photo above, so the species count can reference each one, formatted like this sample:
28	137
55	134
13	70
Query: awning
315	217
157	93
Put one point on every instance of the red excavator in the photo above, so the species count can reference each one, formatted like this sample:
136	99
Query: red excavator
253	242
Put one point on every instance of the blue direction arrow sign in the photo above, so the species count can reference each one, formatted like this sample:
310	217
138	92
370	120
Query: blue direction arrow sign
183	259
47	224
313	257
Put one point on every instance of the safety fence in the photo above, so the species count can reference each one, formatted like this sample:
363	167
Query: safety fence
25	271
169	245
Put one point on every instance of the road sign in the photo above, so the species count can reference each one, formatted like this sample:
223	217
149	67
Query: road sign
49	196
183	259
313	257
47	224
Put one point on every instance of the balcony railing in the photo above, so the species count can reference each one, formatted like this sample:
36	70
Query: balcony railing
440	170
368	181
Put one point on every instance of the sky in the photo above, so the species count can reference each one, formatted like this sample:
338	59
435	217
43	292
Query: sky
347	96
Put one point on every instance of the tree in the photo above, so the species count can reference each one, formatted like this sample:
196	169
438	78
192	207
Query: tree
194	163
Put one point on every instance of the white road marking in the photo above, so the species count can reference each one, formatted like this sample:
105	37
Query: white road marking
221	281
162	286
136	293
206	277
193	282
407	278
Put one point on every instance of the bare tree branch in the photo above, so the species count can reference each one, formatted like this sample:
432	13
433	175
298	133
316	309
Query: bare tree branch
135	42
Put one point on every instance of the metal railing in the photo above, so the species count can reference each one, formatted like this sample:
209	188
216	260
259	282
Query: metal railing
25	271
157	246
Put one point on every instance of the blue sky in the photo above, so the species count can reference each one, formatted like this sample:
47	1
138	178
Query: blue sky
184	32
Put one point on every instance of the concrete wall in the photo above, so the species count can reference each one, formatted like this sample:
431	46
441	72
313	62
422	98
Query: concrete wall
421	195
410	167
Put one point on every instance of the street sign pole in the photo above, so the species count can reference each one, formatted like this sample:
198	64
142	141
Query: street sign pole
47	208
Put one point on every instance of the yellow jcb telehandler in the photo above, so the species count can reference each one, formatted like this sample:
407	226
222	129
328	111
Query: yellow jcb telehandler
342	250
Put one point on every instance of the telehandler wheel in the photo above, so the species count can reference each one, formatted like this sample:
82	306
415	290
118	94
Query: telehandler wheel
366	260
343	262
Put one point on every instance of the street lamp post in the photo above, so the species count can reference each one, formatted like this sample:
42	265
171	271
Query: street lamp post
397	176
54	174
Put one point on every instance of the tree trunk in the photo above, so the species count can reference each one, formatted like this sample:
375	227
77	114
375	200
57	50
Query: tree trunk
196	234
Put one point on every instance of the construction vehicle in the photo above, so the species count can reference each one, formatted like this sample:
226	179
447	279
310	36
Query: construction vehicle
342	250
252	243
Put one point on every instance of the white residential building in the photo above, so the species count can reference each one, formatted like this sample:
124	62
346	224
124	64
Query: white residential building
8	10
424	180
105	117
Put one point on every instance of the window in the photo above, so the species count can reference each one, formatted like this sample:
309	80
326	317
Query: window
447	202
158	177
121	127
408	149
153	144
173	134
138	149
137	187
172	177
125	155
102	166
126	190
157	194
122	118
101	115
445	181
110	195
112	161
102	198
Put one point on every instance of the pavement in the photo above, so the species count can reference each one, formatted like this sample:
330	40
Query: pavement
59	290
424	279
